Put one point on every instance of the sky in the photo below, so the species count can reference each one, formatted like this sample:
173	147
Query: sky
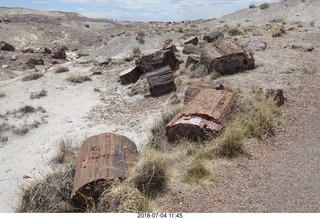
140	10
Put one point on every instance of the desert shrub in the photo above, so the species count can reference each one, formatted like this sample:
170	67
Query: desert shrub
277	30
140	36
122	198
49	195
33	76
61	69
136	51
38	95
78	78
308	69
2	94
235	31
149	174
27	109
196	172
312	23
264	6
252	6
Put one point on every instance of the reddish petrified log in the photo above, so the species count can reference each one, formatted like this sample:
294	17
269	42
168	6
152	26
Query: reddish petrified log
193	40
202	117
226	57
102	158
196	86
191	49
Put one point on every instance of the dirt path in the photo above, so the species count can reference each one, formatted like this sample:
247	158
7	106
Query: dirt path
279	175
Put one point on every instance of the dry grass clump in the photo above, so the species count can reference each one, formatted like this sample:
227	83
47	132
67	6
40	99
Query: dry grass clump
122	198
150	173
308	69
140	36
52	193
33	76
277	30
264	6
65	153
235	31
78	78
140	87
61	69
38	95
196	172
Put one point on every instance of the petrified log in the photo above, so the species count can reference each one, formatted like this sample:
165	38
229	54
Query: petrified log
192	59
157	60
191	49
130	76
101	158
226	57
161	81
196	86
6	46
210	37
202	117
58	53
172	47
193	40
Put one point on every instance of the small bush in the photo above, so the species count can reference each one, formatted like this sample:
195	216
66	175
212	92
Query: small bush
122	198
252	6
61	69
150	173
33	76
277	30
235	31
38	95
78	78
2	94
264	6
27	109
21	130
312	23
309	69
136	51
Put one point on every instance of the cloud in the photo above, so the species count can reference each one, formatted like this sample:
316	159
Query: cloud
165	10
41	2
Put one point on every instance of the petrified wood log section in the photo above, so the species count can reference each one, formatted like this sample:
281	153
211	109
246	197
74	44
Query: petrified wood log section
196	86
226	57
203	116
130	76
101	158
161	81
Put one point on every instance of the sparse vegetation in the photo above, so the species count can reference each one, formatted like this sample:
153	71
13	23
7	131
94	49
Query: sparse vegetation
308	69
252	6
235	31
277	30
174	99
61	69
140	36
264	6
33	76
312	23
38	95
78	78
197	172
122	198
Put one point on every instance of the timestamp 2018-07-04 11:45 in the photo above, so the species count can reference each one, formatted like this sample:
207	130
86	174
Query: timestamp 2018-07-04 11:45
160	215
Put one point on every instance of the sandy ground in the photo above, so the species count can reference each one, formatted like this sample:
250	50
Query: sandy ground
77	111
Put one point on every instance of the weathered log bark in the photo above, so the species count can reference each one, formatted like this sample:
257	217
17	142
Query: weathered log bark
161	81
193	40
210	37
196	86
202	117
172	47
226	57
130	76
191	49
192	59
101	158
157	60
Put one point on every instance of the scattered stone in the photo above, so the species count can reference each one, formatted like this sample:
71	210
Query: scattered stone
102	60
29	50
54	62
210	37
5	66
45	50
33	62
14	58
257	44
6	46
97	73
59	53
193	40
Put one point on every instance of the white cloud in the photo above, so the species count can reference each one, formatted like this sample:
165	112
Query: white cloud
165	10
